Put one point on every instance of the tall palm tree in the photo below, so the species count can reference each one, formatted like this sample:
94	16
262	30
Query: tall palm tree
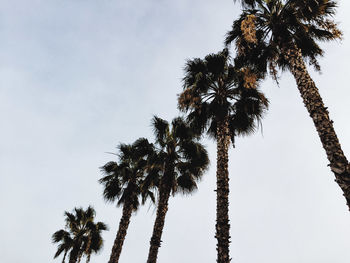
225	102
178	164
123	182
81	236
284	34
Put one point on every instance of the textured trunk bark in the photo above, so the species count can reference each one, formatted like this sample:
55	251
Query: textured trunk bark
119	239
222	191
324	125
162	209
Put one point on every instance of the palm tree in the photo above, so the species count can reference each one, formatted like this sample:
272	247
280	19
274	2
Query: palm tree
80	236
177	166
123	182
226	102
276	33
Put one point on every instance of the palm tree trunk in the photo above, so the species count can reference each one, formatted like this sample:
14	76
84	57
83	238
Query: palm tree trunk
164	194
119	239
324	125
222	192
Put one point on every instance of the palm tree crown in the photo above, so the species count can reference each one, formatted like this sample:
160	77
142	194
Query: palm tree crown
215	90
268	28
80	236
180	160
123	180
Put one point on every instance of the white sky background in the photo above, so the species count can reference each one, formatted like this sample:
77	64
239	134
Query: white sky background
78	77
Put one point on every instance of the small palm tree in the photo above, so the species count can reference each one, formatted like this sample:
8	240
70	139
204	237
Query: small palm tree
225	102
123	182
284	34
178	164
80	236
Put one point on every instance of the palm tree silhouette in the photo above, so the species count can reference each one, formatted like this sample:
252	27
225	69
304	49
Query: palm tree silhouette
284	34
123	182
178	164
80	236
225	102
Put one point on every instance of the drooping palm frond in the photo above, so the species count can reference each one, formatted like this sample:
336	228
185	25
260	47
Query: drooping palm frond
60	235
160	129
60	249
66	242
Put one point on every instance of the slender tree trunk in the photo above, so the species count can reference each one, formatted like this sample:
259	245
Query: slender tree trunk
119	239
164	194
222	192
324	125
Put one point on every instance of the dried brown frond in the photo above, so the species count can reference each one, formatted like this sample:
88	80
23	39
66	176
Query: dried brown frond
240	47
273	70
332	27
187	99
314	62
250	79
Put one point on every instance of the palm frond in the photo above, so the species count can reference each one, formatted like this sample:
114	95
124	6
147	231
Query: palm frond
160	129
186	184
59	251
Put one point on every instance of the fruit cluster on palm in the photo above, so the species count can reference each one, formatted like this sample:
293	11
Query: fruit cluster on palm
220	97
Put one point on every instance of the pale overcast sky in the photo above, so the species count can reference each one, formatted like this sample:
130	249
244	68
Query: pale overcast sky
77	77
